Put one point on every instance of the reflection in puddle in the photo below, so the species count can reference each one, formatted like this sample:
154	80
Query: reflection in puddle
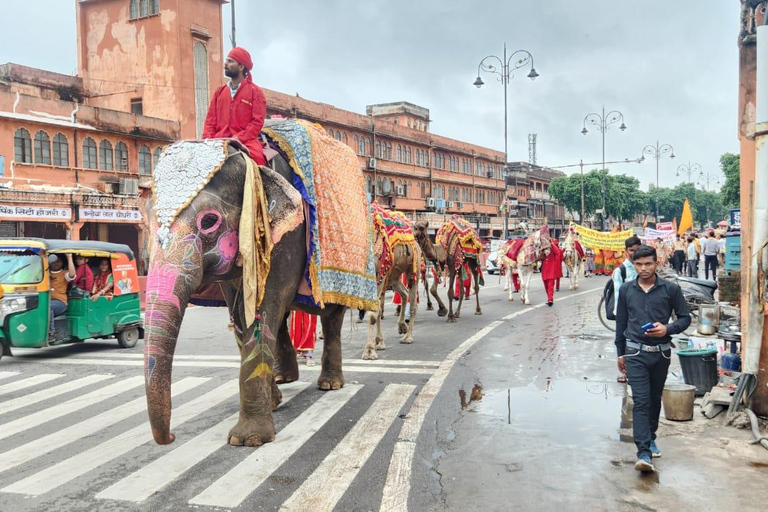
474	396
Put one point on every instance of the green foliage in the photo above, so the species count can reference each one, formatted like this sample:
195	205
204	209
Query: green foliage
705	206
729	163
623	197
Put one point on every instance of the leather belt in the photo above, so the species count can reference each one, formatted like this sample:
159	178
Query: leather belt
649	348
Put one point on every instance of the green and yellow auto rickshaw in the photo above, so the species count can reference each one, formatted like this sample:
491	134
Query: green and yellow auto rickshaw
25	300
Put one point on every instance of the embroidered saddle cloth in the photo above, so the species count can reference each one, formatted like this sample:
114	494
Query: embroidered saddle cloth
459	239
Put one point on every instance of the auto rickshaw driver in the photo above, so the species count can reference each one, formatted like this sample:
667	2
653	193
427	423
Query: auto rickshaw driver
59	282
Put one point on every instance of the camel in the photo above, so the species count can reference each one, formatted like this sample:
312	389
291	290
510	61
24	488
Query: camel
404	259
508	267
439	254
572	260
534	249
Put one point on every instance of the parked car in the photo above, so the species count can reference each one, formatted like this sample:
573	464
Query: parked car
491	264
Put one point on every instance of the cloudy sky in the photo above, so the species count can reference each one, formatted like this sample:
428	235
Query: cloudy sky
671	67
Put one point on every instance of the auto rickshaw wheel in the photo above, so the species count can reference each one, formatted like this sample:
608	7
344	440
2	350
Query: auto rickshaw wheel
128	338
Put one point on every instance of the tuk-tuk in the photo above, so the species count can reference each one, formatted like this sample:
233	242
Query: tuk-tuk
25	295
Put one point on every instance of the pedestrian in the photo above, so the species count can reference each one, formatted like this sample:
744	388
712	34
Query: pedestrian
697	243
692	257
60	279
303	329
644	345
83	274
589	268
721	254
551	271
463	281
623	274
678	257
711	248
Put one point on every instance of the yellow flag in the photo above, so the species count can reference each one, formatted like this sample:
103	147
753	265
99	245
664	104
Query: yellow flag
686	220
645	221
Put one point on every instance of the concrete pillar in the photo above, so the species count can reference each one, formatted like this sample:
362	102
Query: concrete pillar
103	232
73	230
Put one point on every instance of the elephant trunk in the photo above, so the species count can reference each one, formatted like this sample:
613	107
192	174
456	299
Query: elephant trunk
168	291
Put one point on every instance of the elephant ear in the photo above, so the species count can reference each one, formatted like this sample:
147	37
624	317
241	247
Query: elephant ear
284	204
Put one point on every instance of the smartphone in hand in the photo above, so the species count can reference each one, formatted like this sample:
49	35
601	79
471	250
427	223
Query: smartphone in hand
647	326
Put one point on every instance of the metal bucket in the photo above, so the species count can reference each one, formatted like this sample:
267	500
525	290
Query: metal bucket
678	401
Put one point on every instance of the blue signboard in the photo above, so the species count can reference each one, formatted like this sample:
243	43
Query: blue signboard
2	165
735	217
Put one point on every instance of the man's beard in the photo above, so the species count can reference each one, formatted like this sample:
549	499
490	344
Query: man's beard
230	74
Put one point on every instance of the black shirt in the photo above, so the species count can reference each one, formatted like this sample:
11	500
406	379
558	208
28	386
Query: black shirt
637	308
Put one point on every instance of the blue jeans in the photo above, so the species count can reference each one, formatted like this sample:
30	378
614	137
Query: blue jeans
646	373
57	308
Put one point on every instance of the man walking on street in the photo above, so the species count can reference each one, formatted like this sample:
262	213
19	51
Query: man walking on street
678	257
693	257
624	273
711	248
644	346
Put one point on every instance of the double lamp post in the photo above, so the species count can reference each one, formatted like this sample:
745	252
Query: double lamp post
657	152
508	65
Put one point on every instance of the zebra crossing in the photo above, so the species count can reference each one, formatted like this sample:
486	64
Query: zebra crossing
74	445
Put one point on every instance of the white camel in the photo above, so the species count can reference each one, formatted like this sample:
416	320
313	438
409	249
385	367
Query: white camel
535	248
572	260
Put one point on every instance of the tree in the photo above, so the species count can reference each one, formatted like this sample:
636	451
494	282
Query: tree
730	196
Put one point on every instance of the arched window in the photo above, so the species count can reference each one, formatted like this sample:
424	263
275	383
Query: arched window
356	146
330	132
121	156
361	148
106	156
145	161
158	153
368	145
42	148
60	150
388	154
399	153
379	149
344	137
338	135
89	153
201	85
408	155
22	146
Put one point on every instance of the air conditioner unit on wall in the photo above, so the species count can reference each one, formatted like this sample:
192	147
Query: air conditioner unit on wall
371	163
129	186
430	202
449	204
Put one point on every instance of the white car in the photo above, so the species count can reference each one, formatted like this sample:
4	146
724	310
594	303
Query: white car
491	265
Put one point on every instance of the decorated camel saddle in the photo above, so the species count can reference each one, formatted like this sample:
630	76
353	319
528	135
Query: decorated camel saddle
459	239
392	228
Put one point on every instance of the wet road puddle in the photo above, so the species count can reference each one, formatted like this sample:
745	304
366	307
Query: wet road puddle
475	395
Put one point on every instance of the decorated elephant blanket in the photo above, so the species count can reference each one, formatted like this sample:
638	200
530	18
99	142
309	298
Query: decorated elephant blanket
459	239
328	175
392	229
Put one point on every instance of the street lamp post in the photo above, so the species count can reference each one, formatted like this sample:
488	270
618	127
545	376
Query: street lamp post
657	152
688	169
603	122
705	178
505	74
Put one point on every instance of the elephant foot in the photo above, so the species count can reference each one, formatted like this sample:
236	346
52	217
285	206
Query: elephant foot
442	311
288	371
370	354
380	344
402	328
252	432
330	380
478	311
277	396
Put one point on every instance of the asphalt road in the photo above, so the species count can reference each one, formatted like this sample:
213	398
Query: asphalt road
74	433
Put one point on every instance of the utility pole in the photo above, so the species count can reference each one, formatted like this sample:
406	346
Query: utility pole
232	37
581	217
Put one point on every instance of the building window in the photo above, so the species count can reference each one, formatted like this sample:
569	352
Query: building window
368	145
344	138
60	150
388	152
42	148
121	156
330	132
423	190
22	146
106	155
201	85
143	8
89	154
137	106
479	168
158	154
338	135
145	161
408	154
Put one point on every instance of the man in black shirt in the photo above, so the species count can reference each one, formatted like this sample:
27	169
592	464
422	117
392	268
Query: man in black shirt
644	354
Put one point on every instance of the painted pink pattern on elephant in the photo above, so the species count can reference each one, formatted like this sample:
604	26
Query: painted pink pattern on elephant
209	215
161	282
227	247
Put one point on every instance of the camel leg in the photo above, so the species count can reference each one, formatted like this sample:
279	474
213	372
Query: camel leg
441	309
331	376
398	288
374	324
426	290
379	341
476	279
451	278
460	299
413	293
576	273
510	286
525	280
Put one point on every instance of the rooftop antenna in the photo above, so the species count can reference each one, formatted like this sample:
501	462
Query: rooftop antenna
232	37
532	148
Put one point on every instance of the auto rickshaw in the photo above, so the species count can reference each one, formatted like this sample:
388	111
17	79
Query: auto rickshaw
25	295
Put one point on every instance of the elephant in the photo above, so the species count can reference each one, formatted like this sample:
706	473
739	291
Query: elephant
201	247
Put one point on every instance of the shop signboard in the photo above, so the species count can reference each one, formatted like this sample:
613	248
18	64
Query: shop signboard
664	226
20	212
735	217
105	215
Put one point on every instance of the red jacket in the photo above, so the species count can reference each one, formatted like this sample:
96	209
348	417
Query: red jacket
241	117
83	278
552	266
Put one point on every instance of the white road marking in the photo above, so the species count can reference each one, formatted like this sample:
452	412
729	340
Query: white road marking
54	391
377	369
63	437
5	375
398	485
88	460
396	362
28	383
153	477
75	404
232	488
383	362
328	483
